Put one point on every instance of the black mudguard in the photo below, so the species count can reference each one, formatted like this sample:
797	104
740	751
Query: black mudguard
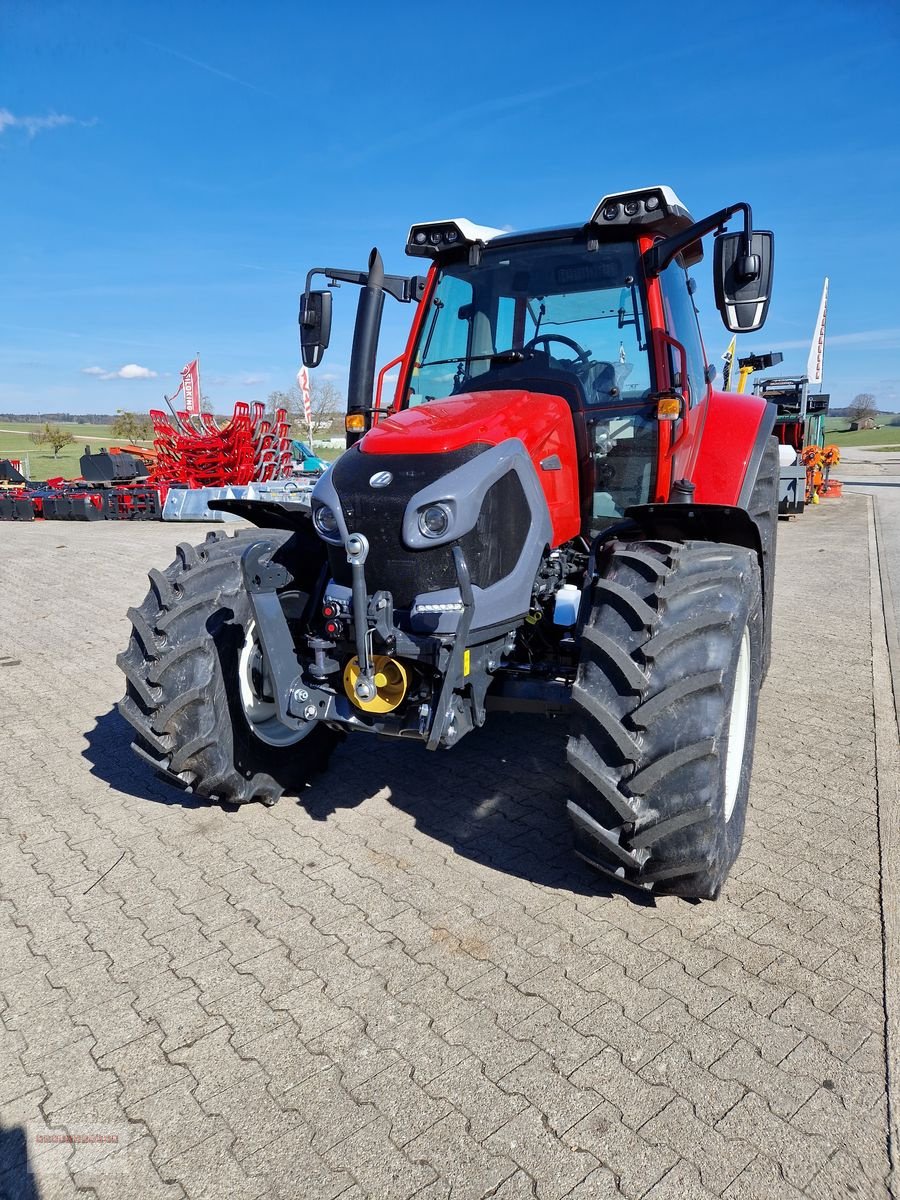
699	522
266	514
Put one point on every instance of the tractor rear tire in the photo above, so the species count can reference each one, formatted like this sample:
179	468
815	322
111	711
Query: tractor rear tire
185	665
664	714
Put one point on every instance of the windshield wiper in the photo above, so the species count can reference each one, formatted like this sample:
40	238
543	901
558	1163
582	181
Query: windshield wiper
501	356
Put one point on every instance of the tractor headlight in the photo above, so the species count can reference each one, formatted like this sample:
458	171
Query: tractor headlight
326	523
434	521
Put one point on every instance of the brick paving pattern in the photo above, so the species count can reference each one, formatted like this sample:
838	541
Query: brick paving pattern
404	985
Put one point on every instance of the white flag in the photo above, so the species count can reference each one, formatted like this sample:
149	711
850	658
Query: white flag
817	349
303	385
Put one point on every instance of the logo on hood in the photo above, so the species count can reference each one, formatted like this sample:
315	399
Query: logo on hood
381	479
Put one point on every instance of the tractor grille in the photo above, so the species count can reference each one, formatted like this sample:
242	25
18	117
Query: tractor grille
492	548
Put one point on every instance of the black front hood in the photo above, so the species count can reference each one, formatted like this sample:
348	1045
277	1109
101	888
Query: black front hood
492	547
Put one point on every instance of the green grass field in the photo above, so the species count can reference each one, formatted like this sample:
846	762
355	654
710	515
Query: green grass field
15	443
889	435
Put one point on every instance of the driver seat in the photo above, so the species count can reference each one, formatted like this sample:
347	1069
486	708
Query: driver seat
599	382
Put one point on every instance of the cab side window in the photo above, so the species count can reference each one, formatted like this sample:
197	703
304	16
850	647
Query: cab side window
681	324
445	345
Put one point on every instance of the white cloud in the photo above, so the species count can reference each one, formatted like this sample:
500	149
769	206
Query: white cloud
35	125
253	380
133	371
129	371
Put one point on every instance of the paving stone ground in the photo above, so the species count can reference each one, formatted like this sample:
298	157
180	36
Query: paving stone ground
402	984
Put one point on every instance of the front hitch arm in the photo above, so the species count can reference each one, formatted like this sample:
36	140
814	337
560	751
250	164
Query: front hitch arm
357	551
262	578
454	672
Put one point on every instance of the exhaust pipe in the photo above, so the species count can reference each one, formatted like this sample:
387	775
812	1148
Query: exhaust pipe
361	383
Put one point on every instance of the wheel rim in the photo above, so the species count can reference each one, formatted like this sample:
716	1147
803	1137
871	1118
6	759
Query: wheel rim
256	696
737	726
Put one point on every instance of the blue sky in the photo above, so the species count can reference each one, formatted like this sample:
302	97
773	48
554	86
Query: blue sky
168	172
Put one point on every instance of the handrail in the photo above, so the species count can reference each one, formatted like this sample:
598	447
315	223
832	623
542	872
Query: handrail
376	411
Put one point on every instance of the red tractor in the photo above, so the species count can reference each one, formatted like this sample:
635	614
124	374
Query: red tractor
557	513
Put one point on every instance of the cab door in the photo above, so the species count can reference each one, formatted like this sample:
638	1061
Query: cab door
680	314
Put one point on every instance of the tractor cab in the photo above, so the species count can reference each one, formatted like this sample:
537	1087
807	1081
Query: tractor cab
559	313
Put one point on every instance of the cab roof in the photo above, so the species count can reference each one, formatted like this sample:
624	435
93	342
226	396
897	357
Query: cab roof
657	206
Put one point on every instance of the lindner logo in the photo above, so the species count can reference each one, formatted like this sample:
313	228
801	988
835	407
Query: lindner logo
381	479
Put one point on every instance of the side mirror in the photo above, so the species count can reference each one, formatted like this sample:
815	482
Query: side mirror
743	282
315	326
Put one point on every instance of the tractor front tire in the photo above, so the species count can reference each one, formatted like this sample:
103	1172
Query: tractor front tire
190	677
664	714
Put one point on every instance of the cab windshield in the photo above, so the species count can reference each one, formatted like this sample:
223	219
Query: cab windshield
556	305
553	317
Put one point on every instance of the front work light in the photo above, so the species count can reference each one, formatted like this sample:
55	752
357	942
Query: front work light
434	521
326	522
431	238
657	206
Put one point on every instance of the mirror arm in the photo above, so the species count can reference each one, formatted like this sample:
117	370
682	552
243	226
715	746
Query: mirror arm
658	257
335	277
402	287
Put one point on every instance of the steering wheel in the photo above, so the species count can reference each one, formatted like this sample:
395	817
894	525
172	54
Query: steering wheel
583	355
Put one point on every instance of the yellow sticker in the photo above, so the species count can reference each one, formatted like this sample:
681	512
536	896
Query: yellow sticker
467	657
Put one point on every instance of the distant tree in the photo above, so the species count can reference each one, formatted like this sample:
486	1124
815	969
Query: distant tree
53	436
276	400
326	406
863	410
132	427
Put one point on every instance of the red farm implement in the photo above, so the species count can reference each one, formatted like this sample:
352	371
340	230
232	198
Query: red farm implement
199	452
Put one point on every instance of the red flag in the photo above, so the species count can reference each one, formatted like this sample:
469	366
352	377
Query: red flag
190	381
